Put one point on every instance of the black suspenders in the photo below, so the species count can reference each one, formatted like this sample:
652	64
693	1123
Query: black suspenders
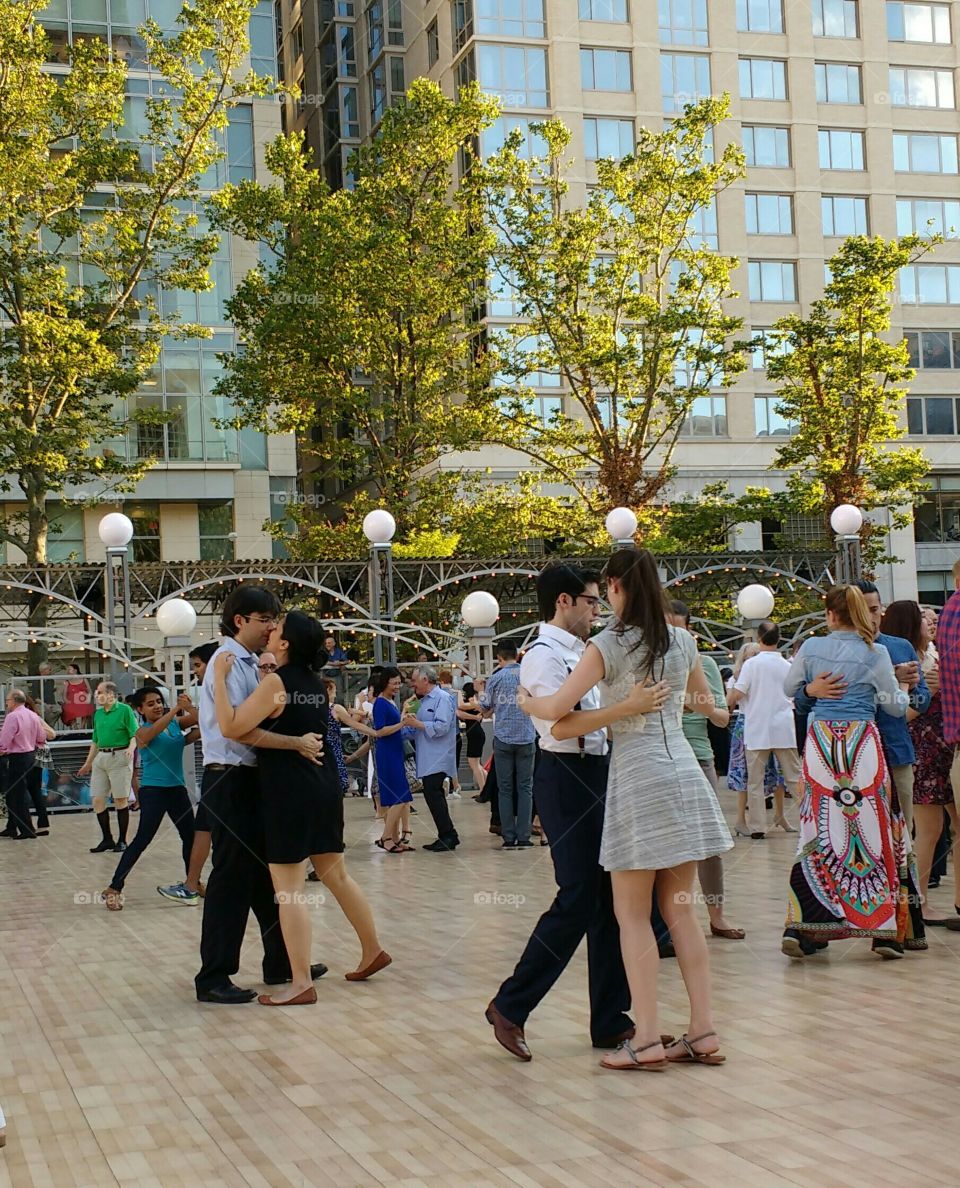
581	738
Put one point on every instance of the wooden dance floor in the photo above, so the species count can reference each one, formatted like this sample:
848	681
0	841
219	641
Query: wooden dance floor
840	1070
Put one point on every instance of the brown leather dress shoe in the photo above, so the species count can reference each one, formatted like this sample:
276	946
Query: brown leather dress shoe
508	1034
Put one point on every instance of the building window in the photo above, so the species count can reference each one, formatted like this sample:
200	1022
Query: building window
929	23
763	78
515	74
933	416
927	217
837	82
835	18
930	284
605	70
767	421
511	18
702	227
924	152
937	518
769	214
65	541
767	343
283	494
240	164
433	43
843	216
605	10
759	16
145	517
296	42
841	148
913	86
684	78
462	23
766	147
521	352
493	138
215	521
933	350
934	587
772	280
683	22
707	417
263	35
504	300
607	138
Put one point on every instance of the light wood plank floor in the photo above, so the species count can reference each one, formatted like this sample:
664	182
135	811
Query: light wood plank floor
841	1070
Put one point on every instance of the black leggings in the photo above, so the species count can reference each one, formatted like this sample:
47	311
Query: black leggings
154	803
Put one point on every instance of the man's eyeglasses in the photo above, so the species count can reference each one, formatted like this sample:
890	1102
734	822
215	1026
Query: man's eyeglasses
589	599
266	620
267	667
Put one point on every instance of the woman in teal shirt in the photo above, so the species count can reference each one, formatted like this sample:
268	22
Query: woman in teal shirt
161	740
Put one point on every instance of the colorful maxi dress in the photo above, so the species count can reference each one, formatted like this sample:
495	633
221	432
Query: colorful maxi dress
854	873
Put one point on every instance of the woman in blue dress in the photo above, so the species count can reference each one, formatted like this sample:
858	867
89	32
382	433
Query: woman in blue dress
395	795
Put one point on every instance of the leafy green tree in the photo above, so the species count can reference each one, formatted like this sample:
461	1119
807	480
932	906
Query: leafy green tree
92	228
361	333
621	297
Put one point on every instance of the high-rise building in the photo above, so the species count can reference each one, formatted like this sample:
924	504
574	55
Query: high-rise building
847	114
212	489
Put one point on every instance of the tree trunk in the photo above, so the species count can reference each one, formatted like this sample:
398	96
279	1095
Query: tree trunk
36	551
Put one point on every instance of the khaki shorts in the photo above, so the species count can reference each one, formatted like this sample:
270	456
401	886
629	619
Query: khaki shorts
111	775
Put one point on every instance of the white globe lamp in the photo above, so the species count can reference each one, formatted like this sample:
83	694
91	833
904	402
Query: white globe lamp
379	526
176	618
846	520
755	602
480	609
115	530
621	523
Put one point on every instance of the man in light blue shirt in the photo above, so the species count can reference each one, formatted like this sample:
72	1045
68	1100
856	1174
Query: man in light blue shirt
434	733
514	748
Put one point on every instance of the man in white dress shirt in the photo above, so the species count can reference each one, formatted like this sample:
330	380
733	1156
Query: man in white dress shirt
569	788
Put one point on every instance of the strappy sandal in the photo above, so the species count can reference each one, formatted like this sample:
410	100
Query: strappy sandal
392	849
688	1054
636	1064
407	833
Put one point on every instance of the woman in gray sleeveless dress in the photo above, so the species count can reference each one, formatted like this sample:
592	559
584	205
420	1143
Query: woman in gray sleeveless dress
662	816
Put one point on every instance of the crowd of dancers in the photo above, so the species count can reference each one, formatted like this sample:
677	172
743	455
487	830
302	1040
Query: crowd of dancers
861	726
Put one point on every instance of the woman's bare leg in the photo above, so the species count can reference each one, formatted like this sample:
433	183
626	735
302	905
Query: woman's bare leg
332	870
675	899
294	924
632	901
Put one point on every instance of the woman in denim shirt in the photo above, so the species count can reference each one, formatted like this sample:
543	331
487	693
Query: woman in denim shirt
849	878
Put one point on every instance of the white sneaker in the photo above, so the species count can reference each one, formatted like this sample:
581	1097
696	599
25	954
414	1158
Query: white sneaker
446	785
454	794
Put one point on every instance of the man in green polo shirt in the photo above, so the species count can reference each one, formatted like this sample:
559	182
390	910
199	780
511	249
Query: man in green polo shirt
110	763
695	730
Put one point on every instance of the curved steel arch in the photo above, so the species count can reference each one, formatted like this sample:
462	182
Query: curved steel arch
146	611
772	571
80	643
54	596
460	578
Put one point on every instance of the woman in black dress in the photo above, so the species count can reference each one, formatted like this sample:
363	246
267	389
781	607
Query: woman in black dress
302	803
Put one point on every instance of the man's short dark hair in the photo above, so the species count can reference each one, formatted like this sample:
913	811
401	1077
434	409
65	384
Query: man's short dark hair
558	579
203	652
247	598
768	633
681	610
507	650
865	587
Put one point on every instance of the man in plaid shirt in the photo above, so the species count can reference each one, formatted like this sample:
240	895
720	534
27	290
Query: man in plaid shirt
948	649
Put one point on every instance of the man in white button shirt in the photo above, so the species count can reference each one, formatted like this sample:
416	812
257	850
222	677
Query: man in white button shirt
569	788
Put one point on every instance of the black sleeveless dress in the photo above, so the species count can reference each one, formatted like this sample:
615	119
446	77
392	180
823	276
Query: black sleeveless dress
301	801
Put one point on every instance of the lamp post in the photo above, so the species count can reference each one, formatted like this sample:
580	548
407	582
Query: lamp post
379	527
116	532
755	604
176	620
846	521
621	523
480	610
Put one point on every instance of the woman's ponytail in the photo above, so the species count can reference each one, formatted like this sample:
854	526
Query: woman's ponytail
859	615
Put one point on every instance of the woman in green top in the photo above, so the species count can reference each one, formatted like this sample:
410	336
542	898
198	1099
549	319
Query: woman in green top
109	763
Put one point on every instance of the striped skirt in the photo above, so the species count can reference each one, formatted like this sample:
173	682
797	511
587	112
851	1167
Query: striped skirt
852	874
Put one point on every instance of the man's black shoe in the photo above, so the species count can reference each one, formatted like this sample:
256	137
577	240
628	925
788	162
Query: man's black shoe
510	846
8	832
317	970
107	844
525	845
120	847
442	847
228	995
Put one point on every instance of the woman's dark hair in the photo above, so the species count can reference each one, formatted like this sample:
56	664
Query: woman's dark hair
380	678
248	598
645	604
469	690
203	652
904	619
73	665
137	698
561	578
769	634
304	637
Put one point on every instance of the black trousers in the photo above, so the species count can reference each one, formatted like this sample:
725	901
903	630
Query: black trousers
19	765
239	882
436	799
154	803
35	792
570	794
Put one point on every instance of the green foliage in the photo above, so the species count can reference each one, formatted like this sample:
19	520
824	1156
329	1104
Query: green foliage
621	297
77	204
362	325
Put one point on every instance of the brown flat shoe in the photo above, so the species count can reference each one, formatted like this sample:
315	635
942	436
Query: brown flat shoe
306	998
508	1034
728	933
113	900
381	961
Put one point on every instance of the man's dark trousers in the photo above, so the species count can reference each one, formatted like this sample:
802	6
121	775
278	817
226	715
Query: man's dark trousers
19	765
240	881
570	793
436	800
